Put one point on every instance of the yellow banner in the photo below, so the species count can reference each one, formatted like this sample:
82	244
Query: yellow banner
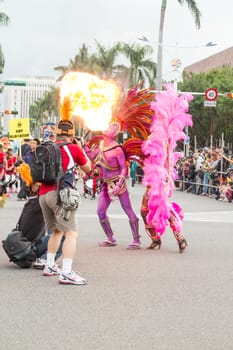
19	128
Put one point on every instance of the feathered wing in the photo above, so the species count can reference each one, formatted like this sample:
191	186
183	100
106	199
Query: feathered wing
168	123
135	117
133	147
94	141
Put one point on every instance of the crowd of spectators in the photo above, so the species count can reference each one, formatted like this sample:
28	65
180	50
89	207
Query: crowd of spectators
10	180
207	172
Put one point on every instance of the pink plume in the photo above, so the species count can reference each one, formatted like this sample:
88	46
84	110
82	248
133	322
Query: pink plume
167	127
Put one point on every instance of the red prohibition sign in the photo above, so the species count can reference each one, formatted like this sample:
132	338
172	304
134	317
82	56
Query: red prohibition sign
211	94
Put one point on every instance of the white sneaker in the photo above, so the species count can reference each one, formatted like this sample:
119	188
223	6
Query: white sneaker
39	264
71	278
51	271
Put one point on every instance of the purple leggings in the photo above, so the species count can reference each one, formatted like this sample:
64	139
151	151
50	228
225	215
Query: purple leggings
104	202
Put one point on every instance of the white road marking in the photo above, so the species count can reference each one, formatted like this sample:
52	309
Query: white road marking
211	216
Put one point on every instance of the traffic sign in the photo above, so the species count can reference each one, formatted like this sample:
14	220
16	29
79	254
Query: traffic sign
211	94
210	103
14	83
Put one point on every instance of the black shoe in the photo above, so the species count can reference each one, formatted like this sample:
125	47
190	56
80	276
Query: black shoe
156	244
182	245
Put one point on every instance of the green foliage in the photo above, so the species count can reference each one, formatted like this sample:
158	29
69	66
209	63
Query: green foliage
4	20
139	68
102	63
209	121
44	109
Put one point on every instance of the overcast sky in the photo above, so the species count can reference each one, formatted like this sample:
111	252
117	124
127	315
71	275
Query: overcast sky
44	34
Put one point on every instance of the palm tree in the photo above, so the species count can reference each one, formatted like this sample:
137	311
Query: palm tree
192	5
141	69
106	60
82	62
4	20
101	63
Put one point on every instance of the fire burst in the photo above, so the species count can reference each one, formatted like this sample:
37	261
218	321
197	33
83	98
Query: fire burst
92	99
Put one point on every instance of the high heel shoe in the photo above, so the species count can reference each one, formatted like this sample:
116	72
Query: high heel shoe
156	244
182	245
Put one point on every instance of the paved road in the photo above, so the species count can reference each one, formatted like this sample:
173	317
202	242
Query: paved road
134	299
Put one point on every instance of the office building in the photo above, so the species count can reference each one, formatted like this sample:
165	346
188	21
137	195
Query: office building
20	93
218	60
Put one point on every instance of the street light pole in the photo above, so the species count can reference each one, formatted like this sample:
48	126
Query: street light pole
159	68
159	65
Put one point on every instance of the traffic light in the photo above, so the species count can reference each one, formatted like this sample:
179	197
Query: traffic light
229	95
9	111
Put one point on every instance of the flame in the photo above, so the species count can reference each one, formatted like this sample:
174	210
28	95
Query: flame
91	98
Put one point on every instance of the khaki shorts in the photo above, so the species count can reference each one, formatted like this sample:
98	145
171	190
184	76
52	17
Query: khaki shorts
53	213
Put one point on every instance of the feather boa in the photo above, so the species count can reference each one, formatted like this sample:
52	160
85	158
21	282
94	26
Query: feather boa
25	173
168	123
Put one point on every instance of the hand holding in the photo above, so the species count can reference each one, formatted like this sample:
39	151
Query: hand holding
116	190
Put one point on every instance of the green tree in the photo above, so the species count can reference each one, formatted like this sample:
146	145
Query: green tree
84	61
105	60
141	68
44	110
104	64
209	121
4	20
192	5
100	63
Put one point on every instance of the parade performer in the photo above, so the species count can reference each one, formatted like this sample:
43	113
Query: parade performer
159	165
173	220
111	158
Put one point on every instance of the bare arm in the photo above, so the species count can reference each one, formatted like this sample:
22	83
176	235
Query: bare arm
86	167
228	159
92	154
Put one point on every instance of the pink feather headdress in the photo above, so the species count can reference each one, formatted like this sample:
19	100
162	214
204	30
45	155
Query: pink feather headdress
168	124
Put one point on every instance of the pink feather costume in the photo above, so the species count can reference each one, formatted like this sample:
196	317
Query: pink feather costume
168	123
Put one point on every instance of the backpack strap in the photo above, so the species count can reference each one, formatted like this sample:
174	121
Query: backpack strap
70	166
71	160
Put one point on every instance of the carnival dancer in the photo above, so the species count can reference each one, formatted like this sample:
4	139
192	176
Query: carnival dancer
110	158
173	220
160	173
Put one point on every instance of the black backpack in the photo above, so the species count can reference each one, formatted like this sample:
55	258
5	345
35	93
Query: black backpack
46	163
20	244
19	250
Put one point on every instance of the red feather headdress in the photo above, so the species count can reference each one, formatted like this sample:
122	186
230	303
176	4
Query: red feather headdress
135	118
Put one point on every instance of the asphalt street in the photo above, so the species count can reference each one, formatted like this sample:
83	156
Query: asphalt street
144	299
